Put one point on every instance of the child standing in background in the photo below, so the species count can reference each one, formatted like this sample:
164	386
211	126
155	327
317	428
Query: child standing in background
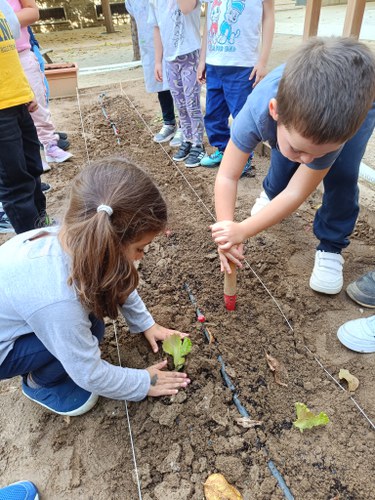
232	63
57	286
138	9
177	39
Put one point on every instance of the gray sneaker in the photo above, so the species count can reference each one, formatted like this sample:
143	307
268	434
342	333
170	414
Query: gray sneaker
362	290
165	134
195	157
178	139
5	225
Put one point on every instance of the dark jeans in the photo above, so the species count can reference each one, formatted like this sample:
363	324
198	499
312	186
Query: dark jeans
30	355
167	107
335	220
228	87
20	169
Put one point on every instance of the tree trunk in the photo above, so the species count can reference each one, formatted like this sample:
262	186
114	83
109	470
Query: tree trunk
136	51
107	16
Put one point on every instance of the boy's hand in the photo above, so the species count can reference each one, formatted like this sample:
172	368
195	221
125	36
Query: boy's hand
259	72
201	72
32	106
235	255
157	332
164	383
227	233
158	72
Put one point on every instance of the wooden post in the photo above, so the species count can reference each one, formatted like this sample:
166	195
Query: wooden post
134	32
354	17
312	18
230	288
107	16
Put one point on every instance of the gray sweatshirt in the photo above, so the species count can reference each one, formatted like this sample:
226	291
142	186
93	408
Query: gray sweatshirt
35	297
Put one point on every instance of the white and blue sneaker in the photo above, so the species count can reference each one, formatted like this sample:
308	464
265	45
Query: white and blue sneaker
22	490
358	334
65	398
5	225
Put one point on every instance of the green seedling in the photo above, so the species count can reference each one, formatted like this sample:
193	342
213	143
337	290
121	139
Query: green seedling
306	419
177	348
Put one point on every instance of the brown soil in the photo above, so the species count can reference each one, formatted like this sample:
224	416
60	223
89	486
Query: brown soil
179	441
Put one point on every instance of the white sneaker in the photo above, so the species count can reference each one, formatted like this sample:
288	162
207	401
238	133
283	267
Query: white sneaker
165	134
358	334
46	166
327	273
178	139
54	154
260	203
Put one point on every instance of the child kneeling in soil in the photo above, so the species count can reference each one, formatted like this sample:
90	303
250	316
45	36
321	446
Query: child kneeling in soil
317	113
57	285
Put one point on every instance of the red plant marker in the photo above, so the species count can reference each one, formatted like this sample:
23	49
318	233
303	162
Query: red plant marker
230	288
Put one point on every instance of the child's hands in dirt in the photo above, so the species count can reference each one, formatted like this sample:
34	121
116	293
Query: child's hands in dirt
165	383
157	332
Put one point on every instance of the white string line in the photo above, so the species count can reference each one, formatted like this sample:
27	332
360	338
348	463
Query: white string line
248	264
128	419
118	353
82	126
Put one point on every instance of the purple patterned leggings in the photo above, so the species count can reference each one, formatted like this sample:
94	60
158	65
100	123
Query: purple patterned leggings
185	90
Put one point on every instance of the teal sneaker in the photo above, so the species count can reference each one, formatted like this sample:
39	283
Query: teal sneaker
248	170
213	160
22	490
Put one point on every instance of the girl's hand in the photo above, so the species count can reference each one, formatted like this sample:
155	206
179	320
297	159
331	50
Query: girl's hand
157	332
259	72
201	72
32	106
158	72
235	255
164	383
227	233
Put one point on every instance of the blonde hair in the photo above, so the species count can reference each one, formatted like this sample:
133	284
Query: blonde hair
101	272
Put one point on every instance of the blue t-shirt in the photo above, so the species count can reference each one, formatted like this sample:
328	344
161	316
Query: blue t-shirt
254	124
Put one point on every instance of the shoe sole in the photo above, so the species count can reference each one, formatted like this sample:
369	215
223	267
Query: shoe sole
180	159
213	165
6	230
47	190
343	338
51	159
369	306
194	165
326	291
164	140
90	403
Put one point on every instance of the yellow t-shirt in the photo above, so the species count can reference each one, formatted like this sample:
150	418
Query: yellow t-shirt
14	87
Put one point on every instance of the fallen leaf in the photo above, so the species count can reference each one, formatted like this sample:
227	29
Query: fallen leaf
306	418
247	423
353	382
217	487
280	373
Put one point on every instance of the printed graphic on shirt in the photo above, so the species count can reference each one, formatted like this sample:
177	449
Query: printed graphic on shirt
5	35
227	32
178	30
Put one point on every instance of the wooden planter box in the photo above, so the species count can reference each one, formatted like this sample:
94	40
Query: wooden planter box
62	79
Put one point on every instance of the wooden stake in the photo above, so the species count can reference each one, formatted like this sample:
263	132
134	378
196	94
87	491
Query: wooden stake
230	288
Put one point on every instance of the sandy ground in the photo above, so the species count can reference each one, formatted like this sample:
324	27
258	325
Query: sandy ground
179	441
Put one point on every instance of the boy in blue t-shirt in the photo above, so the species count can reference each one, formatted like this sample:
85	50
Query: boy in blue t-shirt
317	113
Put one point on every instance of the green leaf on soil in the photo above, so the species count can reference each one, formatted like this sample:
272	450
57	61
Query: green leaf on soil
177	348
306	419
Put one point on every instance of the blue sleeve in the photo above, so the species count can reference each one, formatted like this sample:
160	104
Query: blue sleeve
325	161
245	132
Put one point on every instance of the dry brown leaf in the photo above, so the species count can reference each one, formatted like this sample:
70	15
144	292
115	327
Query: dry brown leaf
247	423
353	382
280	373
217	487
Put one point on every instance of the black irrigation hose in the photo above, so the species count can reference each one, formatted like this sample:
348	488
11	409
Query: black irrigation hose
241	409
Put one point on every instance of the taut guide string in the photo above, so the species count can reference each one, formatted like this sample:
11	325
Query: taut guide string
117	343
248	264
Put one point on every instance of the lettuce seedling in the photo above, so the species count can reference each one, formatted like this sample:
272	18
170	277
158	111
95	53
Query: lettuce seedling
177	348
306	419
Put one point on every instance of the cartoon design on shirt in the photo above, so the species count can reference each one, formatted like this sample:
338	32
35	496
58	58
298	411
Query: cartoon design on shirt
215	14
233	12
178	33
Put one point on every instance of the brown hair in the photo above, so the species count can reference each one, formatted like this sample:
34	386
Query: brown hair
101	273
327	88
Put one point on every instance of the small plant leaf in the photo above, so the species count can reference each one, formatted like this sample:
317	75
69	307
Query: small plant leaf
306	418
353	382
217	487
280	373
177	348
247	423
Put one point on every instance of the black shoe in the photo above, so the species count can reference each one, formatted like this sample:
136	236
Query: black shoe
62	135
195	156
63	144
45	187
183	151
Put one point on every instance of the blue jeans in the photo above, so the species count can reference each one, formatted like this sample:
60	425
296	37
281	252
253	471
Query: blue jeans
20	169
336	218
228	87
30	355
